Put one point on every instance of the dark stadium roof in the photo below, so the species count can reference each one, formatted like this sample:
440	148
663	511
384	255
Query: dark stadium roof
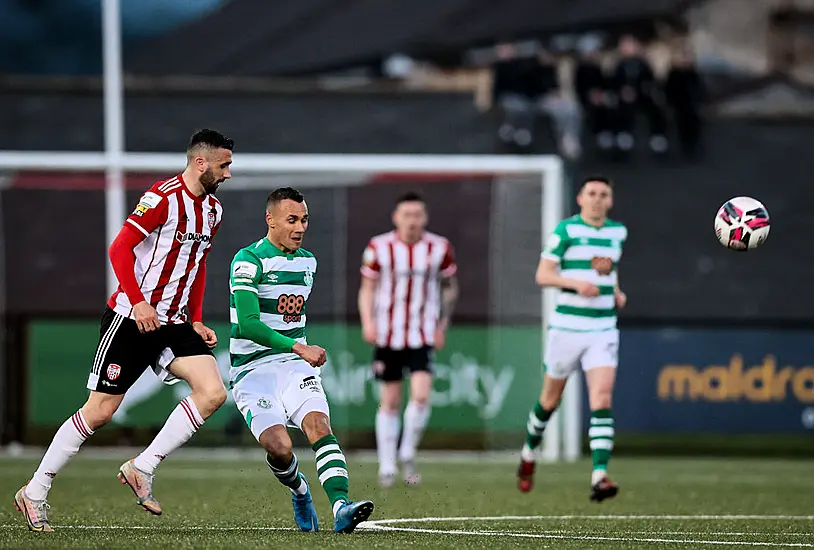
258	37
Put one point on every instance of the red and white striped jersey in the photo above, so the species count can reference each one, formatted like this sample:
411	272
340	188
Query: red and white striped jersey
178	228
408	294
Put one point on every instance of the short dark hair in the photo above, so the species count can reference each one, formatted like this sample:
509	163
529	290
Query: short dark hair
210	138
283	193
410	196
596	178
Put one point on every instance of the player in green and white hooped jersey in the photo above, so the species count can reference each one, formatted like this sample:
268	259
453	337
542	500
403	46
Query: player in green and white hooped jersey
274	376
580	258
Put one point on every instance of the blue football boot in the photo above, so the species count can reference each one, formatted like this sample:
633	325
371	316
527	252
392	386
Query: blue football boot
304	512
351	514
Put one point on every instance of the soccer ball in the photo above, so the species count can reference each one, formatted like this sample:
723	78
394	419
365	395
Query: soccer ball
742	224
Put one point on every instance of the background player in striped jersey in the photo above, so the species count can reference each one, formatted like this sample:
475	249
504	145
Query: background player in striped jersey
273	377
580	258
406	299
153	319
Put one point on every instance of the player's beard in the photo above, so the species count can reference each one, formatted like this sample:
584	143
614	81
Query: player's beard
209	182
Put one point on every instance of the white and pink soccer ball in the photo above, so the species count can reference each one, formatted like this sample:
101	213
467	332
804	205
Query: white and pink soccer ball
742	224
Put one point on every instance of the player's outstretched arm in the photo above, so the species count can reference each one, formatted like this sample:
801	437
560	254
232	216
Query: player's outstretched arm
548	275
252	328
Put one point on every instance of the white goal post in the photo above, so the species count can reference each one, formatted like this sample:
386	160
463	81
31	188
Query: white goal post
564	432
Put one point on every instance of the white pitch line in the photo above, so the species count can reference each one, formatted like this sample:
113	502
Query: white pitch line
571	517
584	537
714	533
700	533
164	528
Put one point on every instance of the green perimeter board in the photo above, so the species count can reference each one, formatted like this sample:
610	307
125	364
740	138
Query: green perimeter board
486	377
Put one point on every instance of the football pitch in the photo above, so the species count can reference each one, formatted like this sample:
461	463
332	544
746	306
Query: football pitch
462	503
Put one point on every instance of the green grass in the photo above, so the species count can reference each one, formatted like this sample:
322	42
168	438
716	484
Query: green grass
232	504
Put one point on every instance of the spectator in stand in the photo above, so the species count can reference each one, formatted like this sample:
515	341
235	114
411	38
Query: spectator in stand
685	94
636	90
524	87
591	85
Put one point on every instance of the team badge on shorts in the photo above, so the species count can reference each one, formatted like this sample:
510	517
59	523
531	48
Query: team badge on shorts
378	368
263	403
113	371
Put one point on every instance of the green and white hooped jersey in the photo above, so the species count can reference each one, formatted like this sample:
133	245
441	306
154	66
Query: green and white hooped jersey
590	254
283	284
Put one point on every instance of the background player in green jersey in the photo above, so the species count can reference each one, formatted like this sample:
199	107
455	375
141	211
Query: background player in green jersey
274	376
580	259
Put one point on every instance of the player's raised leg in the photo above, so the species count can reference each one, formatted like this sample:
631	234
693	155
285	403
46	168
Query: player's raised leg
535	428
601	432
208	394
416	416
332	467
388	428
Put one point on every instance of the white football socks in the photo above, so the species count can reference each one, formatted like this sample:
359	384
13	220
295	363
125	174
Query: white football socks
182	423
65	444
387	439
598	475
415	420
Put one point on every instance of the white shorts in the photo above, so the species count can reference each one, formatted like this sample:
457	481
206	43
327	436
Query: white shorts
566	351
279	393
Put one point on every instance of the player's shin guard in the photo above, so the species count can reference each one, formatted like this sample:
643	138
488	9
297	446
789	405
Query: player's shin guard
332	470
65	444
290	476
601	435
535	427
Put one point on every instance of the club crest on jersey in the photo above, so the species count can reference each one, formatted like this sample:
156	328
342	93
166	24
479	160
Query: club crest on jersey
113	371
308	277
601	265
211	219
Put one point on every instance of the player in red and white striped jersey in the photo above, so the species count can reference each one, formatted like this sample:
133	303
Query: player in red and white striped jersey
175	230
154	319
406	299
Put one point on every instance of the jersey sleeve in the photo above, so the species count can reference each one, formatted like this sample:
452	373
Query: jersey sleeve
556	245
245	273
448	267
252	328
370	262
150	213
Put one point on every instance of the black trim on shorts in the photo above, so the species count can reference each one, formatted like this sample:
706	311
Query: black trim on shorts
124	353
389	364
